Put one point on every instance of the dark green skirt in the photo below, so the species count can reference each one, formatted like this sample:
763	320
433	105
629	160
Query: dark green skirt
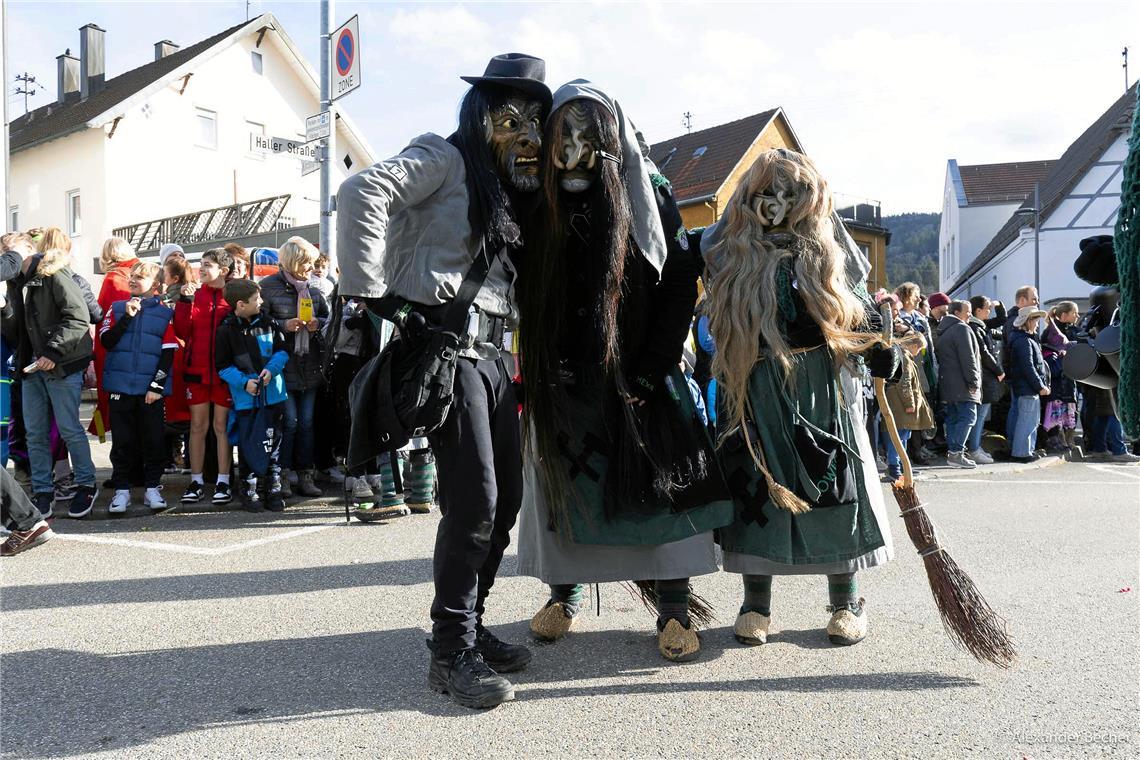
698	507
810	443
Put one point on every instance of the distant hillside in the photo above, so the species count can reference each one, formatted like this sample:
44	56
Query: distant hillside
913	252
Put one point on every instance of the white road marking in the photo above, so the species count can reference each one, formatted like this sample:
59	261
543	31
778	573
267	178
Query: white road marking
1033	482
1111	469
200	551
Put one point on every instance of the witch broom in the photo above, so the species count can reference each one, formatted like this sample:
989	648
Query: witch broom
968	619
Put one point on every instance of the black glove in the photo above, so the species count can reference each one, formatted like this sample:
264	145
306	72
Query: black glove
885	363
412	325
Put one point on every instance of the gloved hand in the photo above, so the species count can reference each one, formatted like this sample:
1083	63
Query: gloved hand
885	363
413	326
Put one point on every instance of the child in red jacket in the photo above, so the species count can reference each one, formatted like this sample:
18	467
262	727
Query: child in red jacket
196	318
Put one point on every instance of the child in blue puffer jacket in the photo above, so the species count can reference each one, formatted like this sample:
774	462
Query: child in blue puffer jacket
138	334
250	356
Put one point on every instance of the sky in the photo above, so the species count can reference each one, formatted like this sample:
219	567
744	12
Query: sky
880	94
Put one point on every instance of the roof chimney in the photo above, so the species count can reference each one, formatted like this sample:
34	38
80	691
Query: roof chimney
67	77
163	49
92	74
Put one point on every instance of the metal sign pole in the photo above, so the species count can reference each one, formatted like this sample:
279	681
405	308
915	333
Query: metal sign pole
328	145
4	141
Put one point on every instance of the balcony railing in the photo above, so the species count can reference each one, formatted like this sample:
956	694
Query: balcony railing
222	223
862	210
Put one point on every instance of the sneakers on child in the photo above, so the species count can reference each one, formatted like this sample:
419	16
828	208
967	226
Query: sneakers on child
193	492
376	483
154	501
120	502
65	488
22	540
359	489
43	502
82	503
981	457
960	460
222	493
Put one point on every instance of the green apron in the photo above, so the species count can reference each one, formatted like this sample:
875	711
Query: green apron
585	454
838	527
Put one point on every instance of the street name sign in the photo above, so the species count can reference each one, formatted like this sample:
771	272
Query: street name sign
282	146
345	64
318	127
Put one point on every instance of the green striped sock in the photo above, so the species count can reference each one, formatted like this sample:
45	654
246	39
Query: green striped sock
757	594
842	590
570	594
388	496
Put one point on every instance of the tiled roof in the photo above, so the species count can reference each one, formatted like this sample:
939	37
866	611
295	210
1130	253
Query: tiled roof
1002	183
697	173
1062	177
58	119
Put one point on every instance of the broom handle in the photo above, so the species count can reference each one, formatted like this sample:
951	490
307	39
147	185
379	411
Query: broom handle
885	408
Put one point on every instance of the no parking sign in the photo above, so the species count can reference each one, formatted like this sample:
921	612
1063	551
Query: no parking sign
345	53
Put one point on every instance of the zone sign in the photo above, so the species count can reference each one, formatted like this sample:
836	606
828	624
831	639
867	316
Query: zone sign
345	64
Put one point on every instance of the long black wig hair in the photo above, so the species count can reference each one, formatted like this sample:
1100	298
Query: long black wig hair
616	291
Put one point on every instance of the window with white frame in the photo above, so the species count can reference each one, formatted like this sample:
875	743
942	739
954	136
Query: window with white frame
207	126
255	130
74	214
14	218
258	64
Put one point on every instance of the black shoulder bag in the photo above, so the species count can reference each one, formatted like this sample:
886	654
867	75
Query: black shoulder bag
405	391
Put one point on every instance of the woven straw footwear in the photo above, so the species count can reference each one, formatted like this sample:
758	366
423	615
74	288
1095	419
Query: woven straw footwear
752	628
552	622
848	626
677	643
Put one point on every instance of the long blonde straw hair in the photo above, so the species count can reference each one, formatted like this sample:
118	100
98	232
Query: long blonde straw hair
744	267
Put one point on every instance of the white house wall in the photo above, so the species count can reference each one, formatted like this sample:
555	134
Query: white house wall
40	179
159	170
977	228
1090	209
948	230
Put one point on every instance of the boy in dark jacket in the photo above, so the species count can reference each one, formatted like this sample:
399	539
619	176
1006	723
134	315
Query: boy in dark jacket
57	323
138	335
250	358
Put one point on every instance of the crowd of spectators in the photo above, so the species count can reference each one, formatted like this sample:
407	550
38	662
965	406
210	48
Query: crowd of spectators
187	361
975	366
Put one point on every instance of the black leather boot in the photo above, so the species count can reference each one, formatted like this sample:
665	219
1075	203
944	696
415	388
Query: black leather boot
503	657
467	679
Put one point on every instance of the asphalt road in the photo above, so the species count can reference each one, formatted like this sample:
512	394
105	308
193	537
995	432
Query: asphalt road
295	635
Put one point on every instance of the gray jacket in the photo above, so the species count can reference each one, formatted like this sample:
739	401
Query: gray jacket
959	361
402	229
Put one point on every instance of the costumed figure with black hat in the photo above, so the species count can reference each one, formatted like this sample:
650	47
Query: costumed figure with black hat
621	478
792	323
438	225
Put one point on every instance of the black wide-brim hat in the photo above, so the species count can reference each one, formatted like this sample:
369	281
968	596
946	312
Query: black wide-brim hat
1097	263
517	71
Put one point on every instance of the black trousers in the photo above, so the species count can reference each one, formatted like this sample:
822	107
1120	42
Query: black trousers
18	511
479	466
138	434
